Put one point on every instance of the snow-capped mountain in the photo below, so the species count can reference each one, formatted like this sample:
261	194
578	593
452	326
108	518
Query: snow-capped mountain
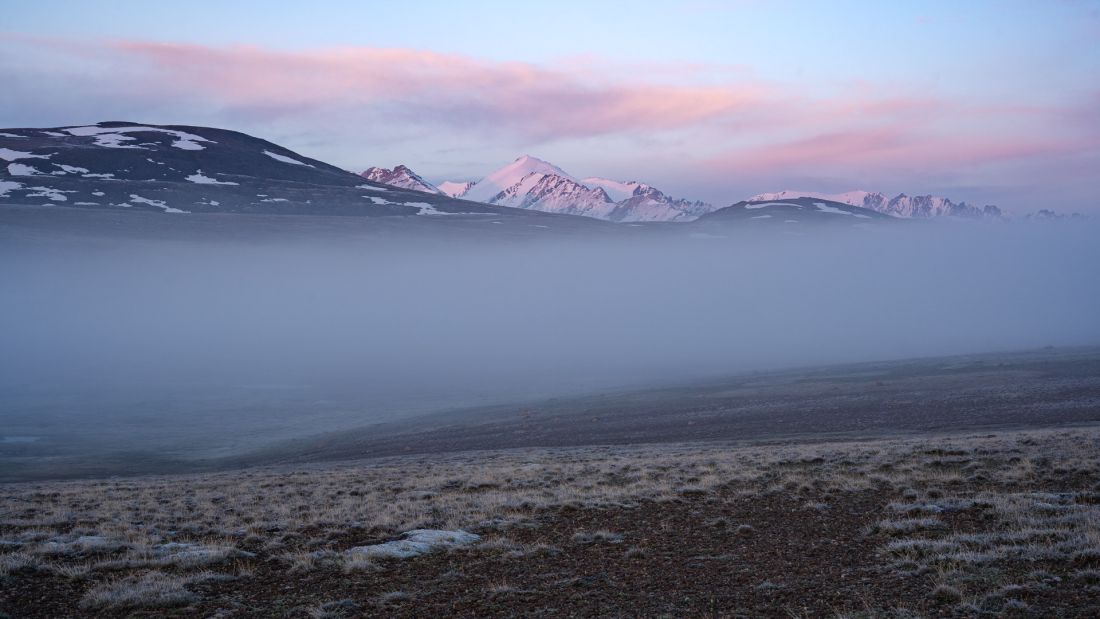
507	177
182	169
641	202
455	189
901	205
531	183
400	176
556	194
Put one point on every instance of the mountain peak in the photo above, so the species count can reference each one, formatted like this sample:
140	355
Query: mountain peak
400	176
509	175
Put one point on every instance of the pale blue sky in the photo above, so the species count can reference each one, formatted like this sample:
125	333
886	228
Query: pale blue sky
1048	42
1011	53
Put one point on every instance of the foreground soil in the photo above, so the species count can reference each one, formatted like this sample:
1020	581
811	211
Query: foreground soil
682	558
714	554
992	525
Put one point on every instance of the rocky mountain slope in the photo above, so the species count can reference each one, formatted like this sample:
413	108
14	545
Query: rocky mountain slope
901	205
400	176
531	183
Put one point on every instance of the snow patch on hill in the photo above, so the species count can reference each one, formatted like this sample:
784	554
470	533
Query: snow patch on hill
22	169
50	193
8	154
113	137
6	186
157	203
199	178
285	159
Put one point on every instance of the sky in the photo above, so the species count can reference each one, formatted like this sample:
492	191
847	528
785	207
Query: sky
992	102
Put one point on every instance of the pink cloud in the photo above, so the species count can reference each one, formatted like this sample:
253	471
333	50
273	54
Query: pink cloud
444	87
898	147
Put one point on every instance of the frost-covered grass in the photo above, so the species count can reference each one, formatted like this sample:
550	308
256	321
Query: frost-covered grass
141	542
1022	528
149	590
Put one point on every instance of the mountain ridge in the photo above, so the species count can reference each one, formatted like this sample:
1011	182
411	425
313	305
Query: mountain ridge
399	176
902	205
535	184
793	213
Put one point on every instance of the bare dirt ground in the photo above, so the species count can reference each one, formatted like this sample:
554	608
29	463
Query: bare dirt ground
987	524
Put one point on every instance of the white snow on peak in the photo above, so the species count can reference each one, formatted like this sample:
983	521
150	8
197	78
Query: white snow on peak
616	190
400	176
112	137
8	154
10	135
455	189
531	183
199	178
488	187
285	159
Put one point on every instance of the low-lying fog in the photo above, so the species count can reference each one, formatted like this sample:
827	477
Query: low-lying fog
211	346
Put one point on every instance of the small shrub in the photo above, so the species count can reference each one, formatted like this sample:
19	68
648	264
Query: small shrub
946	594
1088	577
581	537
909	525
150	590
393	597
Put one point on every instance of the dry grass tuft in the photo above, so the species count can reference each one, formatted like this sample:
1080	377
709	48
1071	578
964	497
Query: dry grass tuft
148	590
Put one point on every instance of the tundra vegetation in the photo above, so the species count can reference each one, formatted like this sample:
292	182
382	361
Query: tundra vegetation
997	524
